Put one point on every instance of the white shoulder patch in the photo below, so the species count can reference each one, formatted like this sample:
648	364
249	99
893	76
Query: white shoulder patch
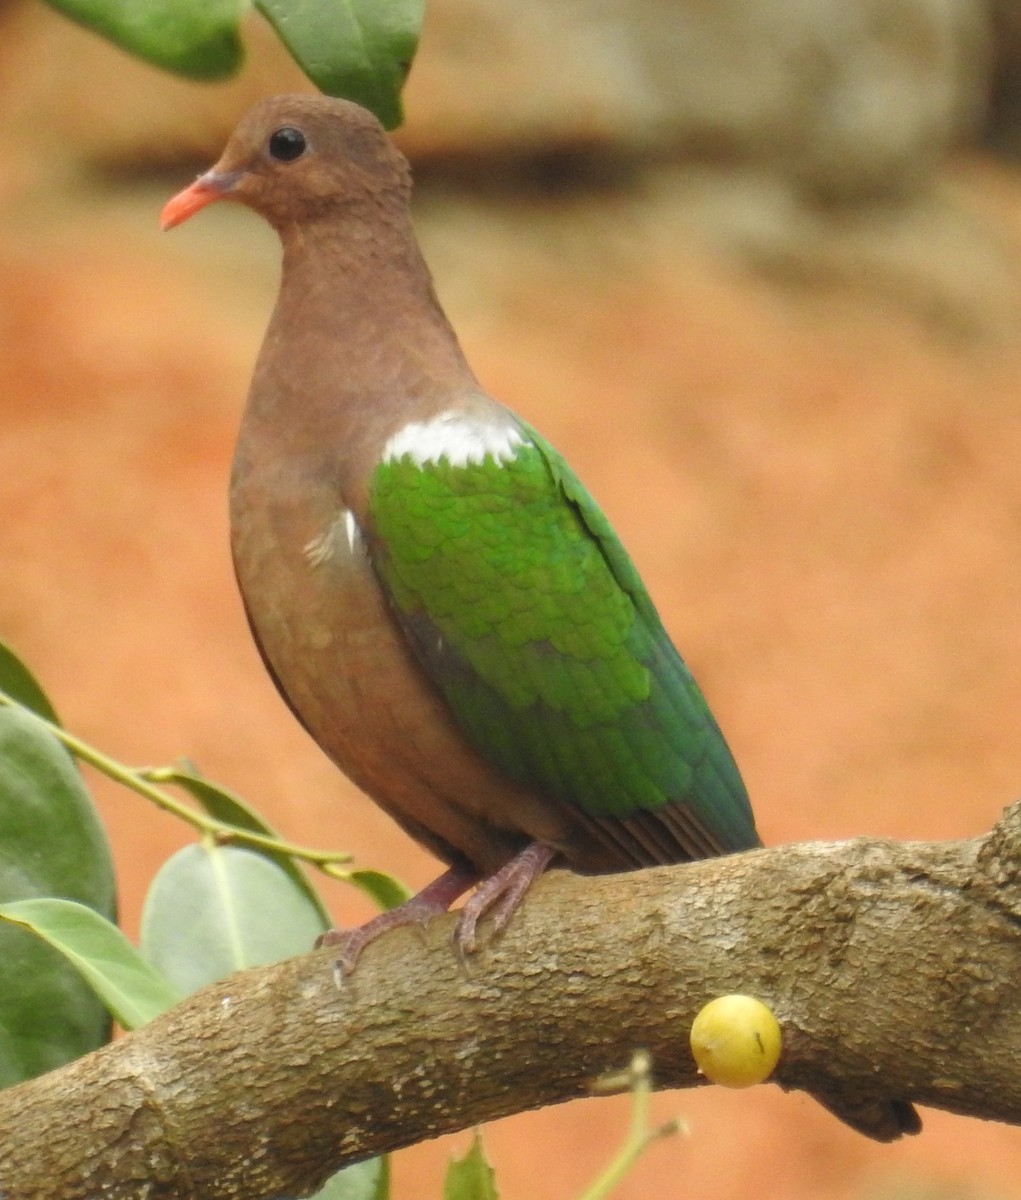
460	440
342	532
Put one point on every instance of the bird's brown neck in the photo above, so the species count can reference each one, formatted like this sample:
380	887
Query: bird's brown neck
357	345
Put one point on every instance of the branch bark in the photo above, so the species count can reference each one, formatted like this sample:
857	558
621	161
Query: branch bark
894	969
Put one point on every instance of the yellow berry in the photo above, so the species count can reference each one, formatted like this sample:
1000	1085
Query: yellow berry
736	1041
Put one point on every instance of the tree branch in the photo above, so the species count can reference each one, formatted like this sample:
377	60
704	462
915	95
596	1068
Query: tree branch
892	967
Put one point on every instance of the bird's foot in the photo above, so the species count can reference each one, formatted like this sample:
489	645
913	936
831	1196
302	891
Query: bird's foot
499	895
432	901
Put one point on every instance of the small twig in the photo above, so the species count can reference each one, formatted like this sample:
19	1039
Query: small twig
142	780
640	1136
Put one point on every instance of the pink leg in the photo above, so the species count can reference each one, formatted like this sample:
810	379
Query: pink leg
500	894
432	901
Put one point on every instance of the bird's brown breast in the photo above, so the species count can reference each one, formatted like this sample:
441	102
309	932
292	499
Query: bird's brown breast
324	629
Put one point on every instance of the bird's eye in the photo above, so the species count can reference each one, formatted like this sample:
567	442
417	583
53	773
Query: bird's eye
287	143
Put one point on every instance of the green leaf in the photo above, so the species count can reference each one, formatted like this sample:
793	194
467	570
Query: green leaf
216	909
51	844
100	953
377	885
471	1177
369	1180
358	49
20	684
197	38
228	807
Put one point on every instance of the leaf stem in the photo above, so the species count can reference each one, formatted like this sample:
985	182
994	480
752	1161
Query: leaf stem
142	780
640	1136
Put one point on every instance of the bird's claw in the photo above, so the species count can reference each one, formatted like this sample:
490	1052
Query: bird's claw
432	901
498	896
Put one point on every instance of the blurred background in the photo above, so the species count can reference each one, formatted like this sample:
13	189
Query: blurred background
753	265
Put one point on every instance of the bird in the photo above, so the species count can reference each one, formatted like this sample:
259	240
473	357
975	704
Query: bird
440	602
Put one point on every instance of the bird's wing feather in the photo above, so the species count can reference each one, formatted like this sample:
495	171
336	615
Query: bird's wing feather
529	616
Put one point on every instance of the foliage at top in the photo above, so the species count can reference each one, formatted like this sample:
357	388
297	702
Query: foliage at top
360	50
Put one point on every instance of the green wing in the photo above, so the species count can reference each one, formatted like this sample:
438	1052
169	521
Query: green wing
528	615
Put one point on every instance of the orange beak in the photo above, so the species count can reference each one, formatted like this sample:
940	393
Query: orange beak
213	185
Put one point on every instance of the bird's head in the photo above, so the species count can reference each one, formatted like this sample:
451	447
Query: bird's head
294	158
